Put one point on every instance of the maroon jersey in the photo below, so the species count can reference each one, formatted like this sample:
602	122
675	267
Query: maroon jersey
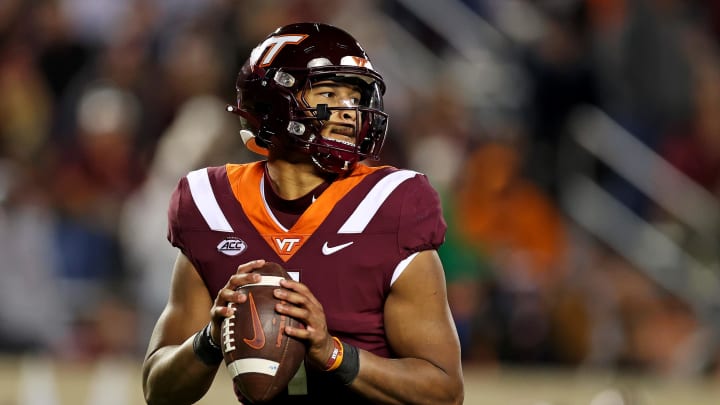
348	247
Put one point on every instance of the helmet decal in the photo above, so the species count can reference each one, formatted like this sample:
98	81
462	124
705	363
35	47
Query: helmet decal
355	61
271	46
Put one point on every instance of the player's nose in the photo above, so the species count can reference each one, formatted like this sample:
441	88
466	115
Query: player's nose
348	115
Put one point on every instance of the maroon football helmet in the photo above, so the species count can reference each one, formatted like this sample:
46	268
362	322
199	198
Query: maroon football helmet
272	84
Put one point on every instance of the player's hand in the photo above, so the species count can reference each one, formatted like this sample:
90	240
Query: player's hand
308	310
228	294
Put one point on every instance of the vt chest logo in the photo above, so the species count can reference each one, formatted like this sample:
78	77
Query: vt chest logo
286	245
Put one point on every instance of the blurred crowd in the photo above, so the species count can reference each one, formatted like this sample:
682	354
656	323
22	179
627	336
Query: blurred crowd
106	104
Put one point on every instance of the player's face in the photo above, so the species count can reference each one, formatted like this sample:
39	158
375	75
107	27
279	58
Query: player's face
337	95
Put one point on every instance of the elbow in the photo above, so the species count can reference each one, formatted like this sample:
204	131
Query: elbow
158	392
456	393
147	389
458	397
449	392
154	401
148	392
150	397
156	396
448	398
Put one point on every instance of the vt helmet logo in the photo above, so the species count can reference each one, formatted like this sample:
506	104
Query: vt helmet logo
269	49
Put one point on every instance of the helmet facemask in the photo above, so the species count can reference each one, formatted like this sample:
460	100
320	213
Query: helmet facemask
348	127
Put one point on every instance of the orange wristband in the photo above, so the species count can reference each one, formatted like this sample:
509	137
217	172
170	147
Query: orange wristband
336	357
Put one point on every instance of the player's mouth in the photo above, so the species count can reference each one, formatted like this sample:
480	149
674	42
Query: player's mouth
341	133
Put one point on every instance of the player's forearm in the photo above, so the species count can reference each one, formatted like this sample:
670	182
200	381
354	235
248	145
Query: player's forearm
174	375
407	381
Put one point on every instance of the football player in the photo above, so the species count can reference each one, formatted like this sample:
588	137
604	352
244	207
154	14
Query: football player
360	241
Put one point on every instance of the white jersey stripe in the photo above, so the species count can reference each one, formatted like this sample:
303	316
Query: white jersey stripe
252	365
369	206
205	201
267	206
401	267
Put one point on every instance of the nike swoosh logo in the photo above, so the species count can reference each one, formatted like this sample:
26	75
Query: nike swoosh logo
327	250
258	340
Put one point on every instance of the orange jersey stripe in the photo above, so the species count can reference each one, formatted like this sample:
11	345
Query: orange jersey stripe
245	181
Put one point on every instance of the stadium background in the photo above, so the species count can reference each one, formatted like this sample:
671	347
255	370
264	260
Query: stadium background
575	143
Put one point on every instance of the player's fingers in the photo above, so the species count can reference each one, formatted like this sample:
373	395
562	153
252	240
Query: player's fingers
294	311
302	290
239	280
222	307
300	333
295	286
291	296
250	266
304	308
315	327
313	314
319	342
218	314
314	335
221	312
227	295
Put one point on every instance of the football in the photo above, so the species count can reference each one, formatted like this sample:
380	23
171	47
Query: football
260	357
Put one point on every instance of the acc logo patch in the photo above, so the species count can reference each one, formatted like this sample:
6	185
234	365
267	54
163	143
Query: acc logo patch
231	246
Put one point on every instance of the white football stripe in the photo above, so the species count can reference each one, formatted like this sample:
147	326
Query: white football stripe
252	365
205	201
373	200
272	281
